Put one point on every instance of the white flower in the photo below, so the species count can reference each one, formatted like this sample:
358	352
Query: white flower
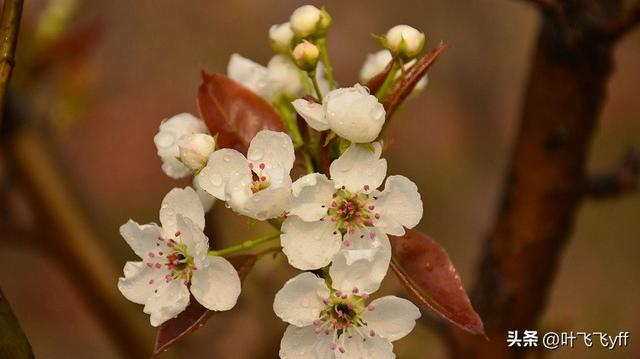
306	55
326	215
257	186
340	321
350	112
308	20
281	37
175	261
280	77
404	40
195	149
377	62
168	137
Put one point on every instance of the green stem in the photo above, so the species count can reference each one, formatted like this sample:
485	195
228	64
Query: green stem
314	81
324	56
388	82
244	245
289	118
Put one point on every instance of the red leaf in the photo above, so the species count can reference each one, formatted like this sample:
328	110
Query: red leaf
195	315
234	112
425	270
376	82
400	92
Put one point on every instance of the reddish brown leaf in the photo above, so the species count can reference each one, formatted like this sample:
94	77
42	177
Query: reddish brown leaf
234	112
195	315
400	92
425	270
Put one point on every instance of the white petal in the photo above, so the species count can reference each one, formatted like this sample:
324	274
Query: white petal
269	203
141	238
399	205
392	317
250	74
183	201
206	199
216	285
374	65
304	343
354	114
309	245
140	281
285	76
193	237
170	300
372	348
299	302
312	195
166	141
272	148
362	268
359	167
313	113
221	166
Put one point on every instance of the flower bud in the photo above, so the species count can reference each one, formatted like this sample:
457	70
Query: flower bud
404	40
306	55
308	20
168	137
195	150
281	37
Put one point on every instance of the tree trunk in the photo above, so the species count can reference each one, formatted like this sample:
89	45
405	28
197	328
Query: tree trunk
544	185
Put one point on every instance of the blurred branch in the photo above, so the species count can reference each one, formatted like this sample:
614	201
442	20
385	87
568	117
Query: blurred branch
545	182
629	19
72	241
625	180
9	26
548	6
13	342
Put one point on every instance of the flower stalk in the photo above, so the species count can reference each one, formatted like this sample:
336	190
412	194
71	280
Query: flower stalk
324	57
246	245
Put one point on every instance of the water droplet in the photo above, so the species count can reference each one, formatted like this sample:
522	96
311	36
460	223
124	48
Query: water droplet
226	158
215	179
428	267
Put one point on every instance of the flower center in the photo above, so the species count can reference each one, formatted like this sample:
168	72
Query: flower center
351	211
260	179
174	258
343	317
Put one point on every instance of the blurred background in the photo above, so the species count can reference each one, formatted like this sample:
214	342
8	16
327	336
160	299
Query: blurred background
137	62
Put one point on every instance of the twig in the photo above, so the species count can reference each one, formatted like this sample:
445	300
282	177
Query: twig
13	342
9	26
625	180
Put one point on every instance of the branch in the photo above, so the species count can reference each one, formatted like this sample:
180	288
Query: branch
629	19
13	341
9	26
625	180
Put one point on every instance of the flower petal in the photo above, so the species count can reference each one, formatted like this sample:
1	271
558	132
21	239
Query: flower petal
166	141
272	148
304	343
363	268
183	201
193	237
250	74
216	285
140	281
141	238
221	166
354	114
311	197
372	347
268	203
359	169
309	245
392	317
313	113
206	199
299	302
399	205
170	300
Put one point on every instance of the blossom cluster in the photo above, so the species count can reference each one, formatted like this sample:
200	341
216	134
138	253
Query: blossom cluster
334	226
